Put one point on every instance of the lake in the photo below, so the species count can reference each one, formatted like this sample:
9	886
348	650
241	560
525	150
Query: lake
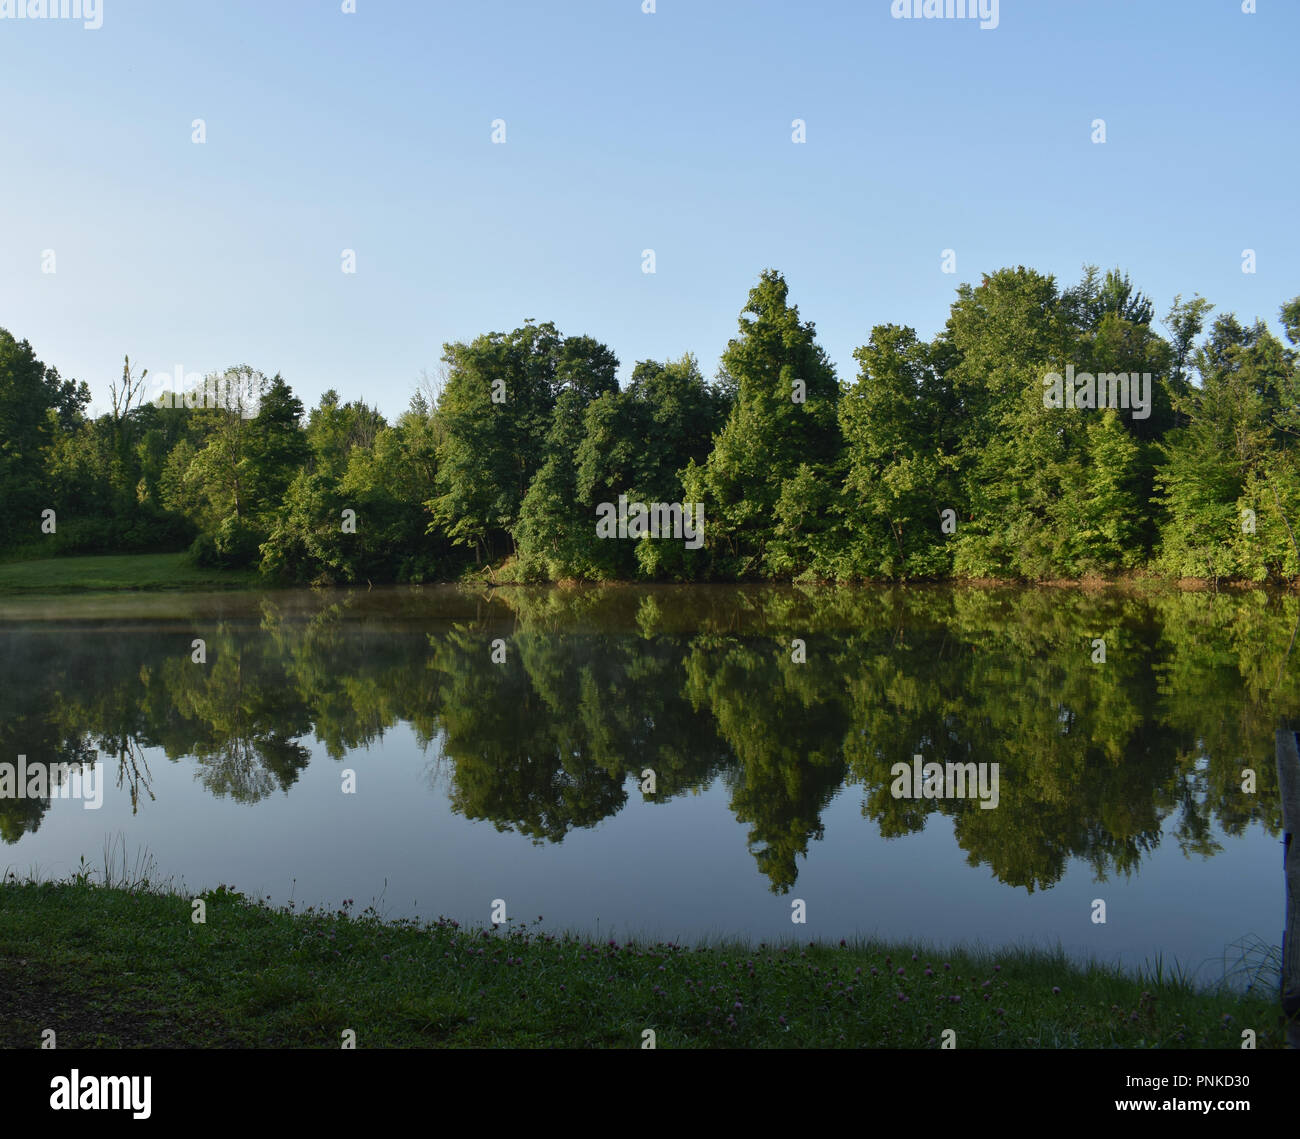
680	762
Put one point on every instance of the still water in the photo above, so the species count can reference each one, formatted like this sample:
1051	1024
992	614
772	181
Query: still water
433	750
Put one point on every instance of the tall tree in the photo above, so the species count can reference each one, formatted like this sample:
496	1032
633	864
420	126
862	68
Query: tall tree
898	421
1228	479
784	418
34	404
277	443
495	411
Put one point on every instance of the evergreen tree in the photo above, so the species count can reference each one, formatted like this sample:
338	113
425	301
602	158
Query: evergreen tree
784	417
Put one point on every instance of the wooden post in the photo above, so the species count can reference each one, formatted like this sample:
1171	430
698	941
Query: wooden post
1288	782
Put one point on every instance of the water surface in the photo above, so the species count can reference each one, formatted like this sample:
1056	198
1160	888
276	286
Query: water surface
497	744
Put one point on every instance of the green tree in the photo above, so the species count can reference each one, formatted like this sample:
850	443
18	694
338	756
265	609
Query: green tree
335	429
1228	481
784	417
35	403
898	420
277	444
496	417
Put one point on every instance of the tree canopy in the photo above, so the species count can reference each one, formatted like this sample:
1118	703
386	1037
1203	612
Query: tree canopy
1044	432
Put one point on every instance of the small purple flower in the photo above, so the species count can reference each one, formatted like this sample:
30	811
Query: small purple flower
1056	989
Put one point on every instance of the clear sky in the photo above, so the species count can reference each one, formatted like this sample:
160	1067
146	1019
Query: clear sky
625	131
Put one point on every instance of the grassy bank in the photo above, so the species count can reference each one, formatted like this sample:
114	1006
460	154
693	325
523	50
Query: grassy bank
127	967
119	572
111	572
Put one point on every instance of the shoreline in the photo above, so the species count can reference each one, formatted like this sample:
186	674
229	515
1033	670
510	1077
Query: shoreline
128	965
159	573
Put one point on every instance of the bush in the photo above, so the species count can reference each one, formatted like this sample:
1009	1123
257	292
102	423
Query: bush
233	546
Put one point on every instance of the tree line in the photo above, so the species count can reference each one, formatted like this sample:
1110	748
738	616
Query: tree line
938	460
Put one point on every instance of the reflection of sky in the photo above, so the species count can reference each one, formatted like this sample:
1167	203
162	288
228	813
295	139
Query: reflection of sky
679	869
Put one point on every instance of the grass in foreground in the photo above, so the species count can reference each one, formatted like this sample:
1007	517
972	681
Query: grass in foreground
116	572
123	967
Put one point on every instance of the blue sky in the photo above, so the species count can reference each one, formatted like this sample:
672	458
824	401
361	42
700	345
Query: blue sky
624	131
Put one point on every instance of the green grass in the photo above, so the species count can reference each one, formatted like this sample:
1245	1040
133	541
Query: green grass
124	966
112	572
